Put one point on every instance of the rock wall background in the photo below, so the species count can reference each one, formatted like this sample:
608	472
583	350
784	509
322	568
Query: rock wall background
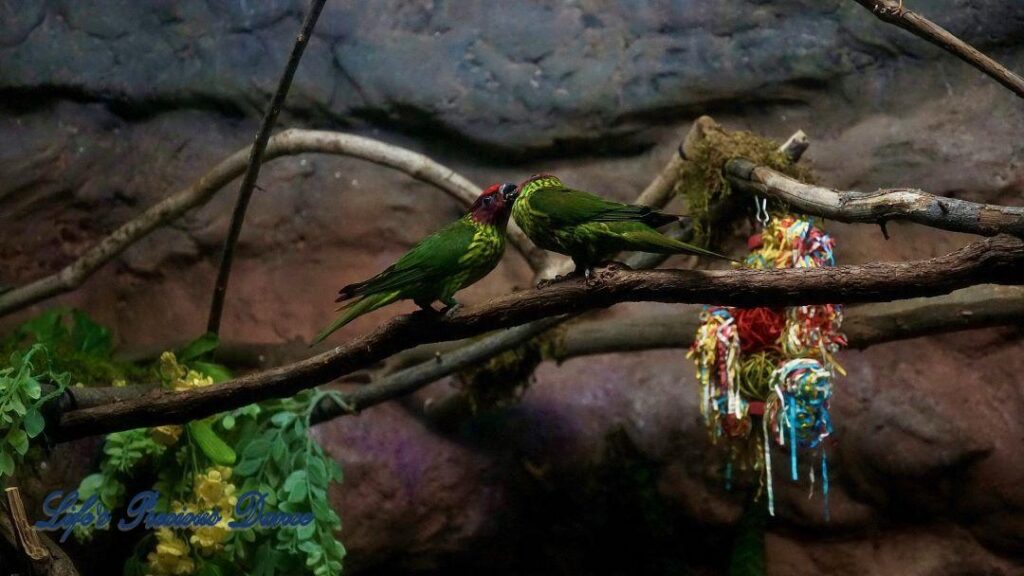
108	106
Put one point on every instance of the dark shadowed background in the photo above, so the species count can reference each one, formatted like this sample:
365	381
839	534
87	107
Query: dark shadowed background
603	467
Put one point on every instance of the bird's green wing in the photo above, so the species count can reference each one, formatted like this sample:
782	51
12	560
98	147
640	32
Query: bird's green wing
567	207
432	260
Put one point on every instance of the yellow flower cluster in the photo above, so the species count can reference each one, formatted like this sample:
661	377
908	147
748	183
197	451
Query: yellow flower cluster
171	556
179	378
211	490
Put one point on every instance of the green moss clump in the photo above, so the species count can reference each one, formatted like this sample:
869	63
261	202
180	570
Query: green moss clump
704	187
73	345
505	377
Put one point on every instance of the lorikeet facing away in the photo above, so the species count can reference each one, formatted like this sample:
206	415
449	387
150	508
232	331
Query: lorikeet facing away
439	265
588	228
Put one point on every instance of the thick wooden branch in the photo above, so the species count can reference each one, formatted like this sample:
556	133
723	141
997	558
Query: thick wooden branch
252	170
877	207
997	260
865	325
891	11
286	143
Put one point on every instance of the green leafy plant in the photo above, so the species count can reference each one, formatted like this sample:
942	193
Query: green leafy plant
281	459
22	400
272	453
75	345
200	465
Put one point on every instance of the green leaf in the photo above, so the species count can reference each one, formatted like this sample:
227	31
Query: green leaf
47	327
317	472
15	405
322	512
6	463
247	466
228	421
33	423
218	372
295	486
199	347
279	453
18	440
90	485
282	419
263	563
258	449
31	388
209	569
135	567
89	337
306	532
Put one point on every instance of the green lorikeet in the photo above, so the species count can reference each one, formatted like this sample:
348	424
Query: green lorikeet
588	228
439	265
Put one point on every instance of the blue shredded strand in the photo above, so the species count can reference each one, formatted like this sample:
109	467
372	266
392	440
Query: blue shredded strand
791	417
824	480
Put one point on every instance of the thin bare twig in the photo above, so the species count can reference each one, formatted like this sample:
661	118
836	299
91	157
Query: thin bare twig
997	260
252	171
893	204
892	12
288	142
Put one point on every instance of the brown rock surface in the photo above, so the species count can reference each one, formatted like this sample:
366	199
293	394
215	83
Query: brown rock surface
603	454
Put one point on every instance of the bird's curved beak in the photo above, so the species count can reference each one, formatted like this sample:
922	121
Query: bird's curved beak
509	192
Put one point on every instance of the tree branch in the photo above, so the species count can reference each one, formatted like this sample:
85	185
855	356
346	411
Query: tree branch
288	142
409	380
252	171
891	11
982	306
997	260
864	325
875	207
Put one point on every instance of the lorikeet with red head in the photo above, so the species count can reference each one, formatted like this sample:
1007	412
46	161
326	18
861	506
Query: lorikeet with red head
588	228
439	265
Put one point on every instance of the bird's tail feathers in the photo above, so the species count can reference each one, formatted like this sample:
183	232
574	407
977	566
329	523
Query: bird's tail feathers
356	308
349	292
653	241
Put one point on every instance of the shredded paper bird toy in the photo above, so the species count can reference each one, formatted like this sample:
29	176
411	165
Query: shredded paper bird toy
766	374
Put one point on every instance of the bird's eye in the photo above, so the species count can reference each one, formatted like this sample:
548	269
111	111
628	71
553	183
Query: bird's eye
487	200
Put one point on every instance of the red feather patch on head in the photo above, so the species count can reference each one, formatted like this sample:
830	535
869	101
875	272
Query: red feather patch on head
490	207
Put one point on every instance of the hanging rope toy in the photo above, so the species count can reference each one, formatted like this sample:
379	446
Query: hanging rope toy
775	365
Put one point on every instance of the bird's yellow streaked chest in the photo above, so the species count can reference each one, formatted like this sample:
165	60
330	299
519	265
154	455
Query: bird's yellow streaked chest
534	223
484	252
